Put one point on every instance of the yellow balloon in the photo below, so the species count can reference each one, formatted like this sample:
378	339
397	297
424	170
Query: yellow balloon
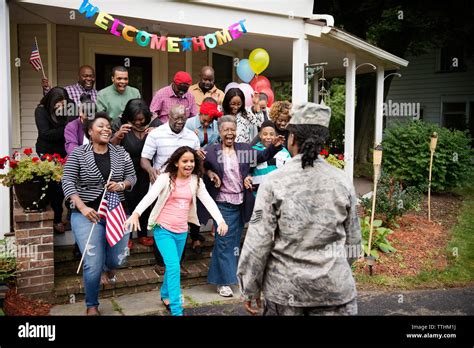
259	60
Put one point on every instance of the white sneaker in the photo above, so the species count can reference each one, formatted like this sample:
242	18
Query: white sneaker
225	291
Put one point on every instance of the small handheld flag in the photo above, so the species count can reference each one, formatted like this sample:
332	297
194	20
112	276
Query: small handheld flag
112	211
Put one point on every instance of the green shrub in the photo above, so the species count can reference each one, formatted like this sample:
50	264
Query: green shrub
406	155
393	199
379	237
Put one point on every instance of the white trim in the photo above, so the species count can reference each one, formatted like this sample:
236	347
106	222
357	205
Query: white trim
90	44
15	83
366	47
5	110
349	132
379	105
299	91
51	50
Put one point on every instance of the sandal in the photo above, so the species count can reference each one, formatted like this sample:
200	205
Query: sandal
95	313
167	305
225	291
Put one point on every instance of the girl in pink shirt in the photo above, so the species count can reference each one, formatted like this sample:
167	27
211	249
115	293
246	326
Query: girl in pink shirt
176	191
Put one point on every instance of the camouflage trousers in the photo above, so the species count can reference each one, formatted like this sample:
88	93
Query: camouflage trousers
272	308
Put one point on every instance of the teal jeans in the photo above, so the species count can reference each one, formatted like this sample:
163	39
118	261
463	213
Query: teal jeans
171	246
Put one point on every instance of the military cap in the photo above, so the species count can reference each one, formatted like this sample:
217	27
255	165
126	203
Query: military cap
311	114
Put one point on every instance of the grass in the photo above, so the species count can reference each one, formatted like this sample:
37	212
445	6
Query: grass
115	306
460	251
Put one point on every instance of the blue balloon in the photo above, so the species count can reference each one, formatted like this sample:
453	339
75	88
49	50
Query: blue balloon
244	71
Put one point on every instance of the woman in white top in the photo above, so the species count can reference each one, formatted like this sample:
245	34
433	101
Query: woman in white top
248	119
176	191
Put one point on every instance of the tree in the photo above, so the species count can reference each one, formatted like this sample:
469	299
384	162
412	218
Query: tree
404	28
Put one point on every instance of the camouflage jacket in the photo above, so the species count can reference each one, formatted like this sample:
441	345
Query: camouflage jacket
303	222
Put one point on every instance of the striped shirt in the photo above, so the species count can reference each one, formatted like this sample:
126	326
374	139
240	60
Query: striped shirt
83	177
162	142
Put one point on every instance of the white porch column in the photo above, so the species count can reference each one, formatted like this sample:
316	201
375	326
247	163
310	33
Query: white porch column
350	116
379	105
5	110
300	57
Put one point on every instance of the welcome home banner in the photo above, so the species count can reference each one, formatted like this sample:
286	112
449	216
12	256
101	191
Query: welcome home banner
171	44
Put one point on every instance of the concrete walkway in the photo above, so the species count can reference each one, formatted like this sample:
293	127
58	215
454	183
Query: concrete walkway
149	303
204	300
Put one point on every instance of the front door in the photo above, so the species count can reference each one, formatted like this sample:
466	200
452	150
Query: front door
139	72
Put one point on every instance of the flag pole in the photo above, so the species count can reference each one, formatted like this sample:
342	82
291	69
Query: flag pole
41	61
93	225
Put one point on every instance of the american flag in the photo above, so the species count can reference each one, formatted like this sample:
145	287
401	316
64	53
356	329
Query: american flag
112	211
35	58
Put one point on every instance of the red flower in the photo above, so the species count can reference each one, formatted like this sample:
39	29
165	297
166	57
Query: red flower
2	163
324	152
28	151
47	157
13	164
35	159
57	156
340	157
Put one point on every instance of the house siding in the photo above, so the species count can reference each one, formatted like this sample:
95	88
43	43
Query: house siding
420	83
30	80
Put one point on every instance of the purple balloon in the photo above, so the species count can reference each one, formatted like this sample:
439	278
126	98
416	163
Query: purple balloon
248	92
231	85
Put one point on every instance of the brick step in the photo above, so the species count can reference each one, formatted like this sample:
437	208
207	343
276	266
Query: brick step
63	268
129	281
65	253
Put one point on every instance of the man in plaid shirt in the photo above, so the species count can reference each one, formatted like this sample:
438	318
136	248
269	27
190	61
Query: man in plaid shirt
175	94
84	85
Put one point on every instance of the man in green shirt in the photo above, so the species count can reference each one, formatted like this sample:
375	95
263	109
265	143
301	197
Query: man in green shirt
112	99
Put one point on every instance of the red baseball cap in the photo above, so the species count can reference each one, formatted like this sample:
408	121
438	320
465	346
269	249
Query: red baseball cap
182	77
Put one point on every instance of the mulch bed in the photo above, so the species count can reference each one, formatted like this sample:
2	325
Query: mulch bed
421	244
19	305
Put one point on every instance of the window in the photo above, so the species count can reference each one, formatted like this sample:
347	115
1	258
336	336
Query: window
455	115
451	59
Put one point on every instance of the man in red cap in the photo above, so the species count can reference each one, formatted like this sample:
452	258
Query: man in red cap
174	94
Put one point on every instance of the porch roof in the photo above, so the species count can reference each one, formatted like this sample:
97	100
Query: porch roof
326	44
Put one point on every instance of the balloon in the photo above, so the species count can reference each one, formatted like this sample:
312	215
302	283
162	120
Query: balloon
248	92
259	60
260	82
269	93
244	72
231	85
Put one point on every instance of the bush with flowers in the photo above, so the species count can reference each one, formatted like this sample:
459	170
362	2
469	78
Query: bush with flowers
26	167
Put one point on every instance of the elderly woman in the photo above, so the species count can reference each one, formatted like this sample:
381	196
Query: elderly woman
85	179
229	184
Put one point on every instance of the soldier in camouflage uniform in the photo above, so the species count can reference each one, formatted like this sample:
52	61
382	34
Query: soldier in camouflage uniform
304	219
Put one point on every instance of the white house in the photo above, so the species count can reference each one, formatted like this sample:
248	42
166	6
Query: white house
292	35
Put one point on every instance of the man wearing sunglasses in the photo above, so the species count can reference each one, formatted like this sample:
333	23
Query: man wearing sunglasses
175	94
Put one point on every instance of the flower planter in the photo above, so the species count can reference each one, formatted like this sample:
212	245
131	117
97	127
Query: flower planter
30	195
